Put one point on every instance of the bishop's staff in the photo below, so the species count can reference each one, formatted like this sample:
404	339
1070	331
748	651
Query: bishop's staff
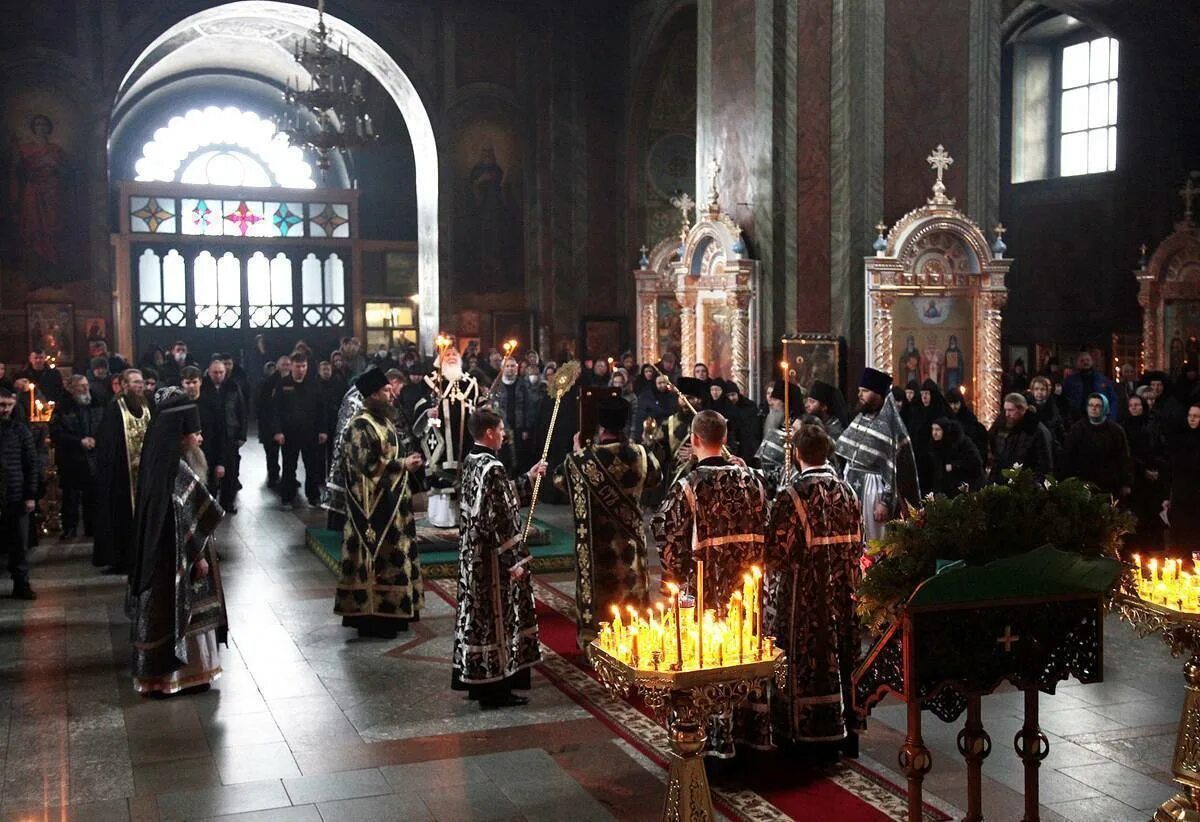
675	390
564	378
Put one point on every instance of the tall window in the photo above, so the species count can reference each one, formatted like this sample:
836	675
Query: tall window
1088	107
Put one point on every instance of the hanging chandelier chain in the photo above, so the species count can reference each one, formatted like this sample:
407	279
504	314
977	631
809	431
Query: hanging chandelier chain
330	115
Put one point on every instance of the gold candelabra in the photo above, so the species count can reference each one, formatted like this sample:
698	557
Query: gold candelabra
1164	602
689	665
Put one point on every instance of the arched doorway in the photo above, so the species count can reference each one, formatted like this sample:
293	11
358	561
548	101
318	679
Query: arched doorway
250	44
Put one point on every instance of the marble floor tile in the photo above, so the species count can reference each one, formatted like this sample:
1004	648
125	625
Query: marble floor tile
251	763
389	808
223	800
153	778
438	773
331	787
1134	789
480	801
1098	809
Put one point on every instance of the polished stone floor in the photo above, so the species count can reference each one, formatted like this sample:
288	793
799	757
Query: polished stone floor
310	723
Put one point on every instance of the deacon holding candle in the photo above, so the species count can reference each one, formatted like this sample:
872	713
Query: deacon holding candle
814	545
715	515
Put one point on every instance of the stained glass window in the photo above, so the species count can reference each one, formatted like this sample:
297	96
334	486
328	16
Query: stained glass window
244	218
328	220
217	289
284	219
201	216
269	290
152	215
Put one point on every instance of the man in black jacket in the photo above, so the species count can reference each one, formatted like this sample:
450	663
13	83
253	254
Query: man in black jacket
73	430
48	380
18	478
264	395
298	425
223	407
1019	438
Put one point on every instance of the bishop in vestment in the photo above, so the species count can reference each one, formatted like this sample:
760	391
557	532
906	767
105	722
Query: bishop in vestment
118	457
176	605
440	424
715	514
379	588
604	482
814	547
496	633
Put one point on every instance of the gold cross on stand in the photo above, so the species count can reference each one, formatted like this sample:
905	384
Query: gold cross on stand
1188	193
881	227
1000	230
1007	639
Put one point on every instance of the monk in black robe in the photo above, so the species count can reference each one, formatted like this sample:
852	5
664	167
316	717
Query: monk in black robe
118	455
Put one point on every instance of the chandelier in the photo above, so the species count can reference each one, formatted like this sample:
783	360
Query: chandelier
330	115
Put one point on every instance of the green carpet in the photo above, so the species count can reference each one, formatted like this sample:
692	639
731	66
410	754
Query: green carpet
557	555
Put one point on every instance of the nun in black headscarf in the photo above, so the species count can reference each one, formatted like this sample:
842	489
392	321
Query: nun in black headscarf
176	604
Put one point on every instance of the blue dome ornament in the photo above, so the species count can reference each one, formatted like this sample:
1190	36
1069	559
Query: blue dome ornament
644	261
999	247
880	244
739	245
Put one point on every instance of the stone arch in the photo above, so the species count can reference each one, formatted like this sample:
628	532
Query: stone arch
375	60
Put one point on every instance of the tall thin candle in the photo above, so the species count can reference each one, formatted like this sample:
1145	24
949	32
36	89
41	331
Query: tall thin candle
758	605
678	631
700	613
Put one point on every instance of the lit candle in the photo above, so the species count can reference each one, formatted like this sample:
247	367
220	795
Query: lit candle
758	605
700	611
739	609
616	624
678	636
1154	570
783	366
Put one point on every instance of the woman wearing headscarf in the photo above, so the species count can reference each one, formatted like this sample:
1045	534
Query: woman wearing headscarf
1183	507
926	407
1148	449
953	459
1096	450
957	408
175	603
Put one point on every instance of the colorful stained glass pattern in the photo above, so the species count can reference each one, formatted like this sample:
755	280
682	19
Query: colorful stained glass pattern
200	217
242	218
152	215
329	220
286	219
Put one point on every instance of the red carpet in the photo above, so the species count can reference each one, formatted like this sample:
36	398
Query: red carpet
774	785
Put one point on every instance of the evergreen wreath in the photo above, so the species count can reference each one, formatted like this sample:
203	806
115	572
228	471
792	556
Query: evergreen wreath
980	526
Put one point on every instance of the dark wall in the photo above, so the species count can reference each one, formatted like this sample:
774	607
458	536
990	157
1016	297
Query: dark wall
1075	239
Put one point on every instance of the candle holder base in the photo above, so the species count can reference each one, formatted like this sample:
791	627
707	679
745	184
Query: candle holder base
688	795
1179	808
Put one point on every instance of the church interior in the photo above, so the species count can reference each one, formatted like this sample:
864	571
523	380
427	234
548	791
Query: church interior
962	194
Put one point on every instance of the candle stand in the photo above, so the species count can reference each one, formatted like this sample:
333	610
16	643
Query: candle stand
683	702
1181	632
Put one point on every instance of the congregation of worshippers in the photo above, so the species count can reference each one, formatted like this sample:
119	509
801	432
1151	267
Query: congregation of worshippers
796	480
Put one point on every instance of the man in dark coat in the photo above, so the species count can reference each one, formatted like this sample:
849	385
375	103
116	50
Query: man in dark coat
48	380
745	424
73	430
1096	450
1087	381
264	396
118	457
298	425
1018	437
18	478
223	388
99	381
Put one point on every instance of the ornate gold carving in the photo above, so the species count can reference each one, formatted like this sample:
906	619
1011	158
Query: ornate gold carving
937	250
